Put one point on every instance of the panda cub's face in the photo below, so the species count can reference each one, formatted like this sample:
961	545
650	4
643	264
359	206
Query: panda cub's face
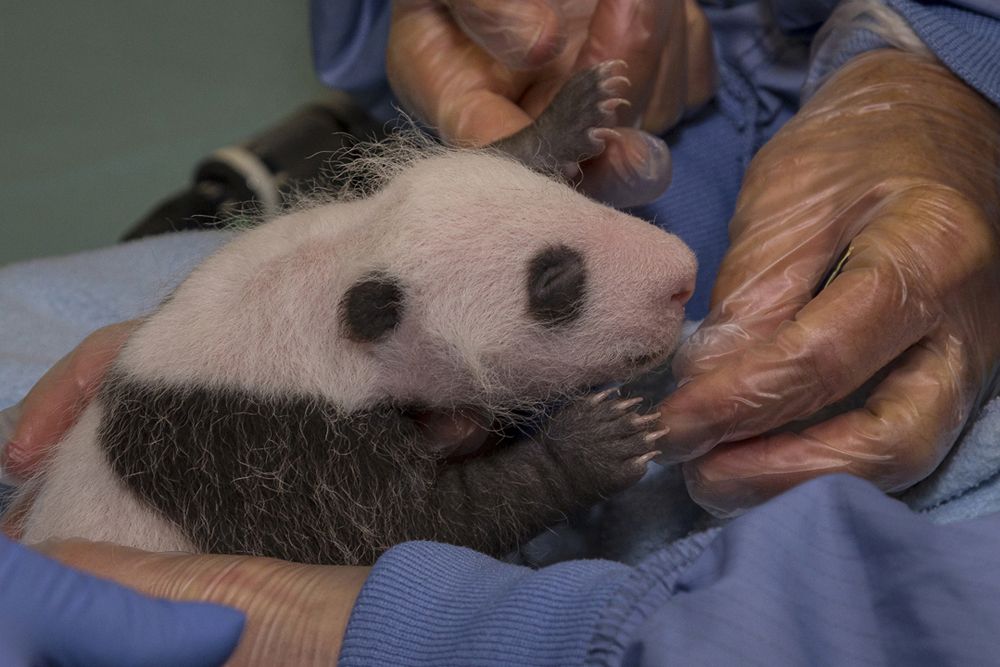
487	283
555	291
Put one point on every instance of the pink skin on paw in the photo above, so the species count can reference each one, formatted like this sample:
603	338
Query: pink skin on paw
454	434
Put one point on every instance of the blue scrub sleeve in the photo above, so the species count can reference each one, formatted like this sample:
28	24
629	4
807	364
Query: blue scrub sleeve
348	47
964	35
831	573
53	615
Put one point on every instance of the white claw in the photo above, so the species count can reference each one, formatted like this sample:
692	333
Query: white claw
655	435
603	396
624	405
600	135
642	420
609	65
612	105
646	458
614	84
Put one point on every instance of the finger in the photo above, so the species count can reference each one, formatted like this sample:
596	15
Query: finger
668	93
54	403
522	34
900	435
244	582
481	117
784	246
448	81
634	168
905	233
17	512
177	575
633	31
9	419
867	317
701	70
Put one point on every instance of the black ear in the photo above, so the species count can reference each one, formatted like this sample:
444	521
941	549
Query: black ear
372	308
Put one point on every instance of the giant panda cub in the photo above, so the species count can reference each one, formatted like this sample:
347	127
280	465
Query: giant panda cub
351	374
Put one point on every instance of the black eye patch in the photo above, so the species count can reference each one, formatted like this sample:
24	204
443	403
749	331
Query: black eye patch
372	308
557	285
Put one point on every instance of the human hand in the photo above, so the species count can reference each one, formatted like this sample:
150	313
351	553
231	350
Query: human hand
480	70
51	615
897	160
57	399
295	614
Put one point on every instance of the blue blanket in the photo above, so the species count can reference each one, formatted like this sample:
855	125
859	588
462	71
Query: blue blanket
48	306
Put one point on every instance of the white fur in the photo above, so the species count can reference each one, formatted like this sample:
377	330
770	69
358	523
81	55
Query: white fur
81	497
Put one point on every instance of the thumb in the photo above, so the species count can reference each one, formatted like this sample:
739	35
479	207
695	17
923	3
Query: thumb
57	399
522	34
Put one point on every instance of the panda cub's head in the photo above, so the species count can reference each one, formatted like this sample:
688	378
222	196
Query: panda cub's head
466	280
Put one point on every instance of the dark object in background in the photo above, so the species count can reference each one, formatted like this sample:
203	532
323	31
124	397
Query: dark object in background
262	171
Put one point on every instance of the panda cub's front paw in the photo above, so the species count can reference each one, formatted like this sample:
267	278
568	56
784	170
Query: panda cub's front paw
602	443
579	121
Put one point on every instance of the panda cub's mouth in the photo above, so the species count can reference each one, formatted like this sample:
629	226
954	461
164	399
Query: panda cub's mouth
644	362
465	432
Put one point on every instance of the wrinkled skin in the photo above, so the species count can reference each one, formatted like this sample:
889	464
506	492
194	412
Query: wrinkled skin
480	70
898	160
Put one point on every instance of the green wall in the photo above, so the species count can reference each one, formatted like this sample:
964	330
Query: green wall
105	106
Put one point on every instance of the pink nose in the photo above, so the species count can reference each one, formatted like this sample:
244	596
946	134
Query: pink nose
677	269
668	266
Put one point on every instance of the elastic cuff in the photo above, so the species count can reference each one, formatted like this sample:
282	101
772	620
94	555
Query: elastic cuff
432	604
966	41
856	27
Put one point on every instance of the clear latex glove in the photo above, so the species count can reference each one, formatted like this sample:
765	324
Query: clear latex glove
295	614
30	428
898	160
480	70
51	615
9	418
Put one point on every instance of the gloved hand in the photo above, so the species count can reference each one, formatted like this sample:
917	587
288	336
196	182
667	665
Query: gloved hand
57	399
897	161
480	70
295	614
52	615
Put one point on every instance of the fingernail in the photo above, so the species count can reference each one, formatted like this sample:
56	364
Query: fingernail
658	166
